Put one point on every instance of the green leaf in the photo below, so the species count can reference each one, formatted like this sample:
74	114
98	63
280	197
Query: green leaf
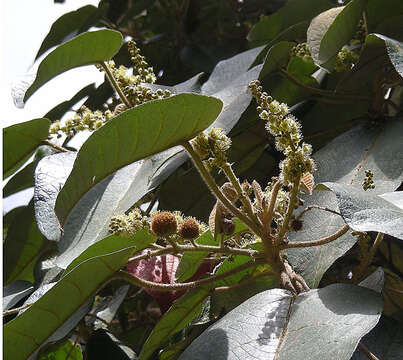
191	261
345	160
85	49
312	326
379	11
385	341
20	141
62	351
14	292
23	246
133	135
59	110
183	310
86	275
276	58
292	13
338	34
22	180
50	175
69	25
363	211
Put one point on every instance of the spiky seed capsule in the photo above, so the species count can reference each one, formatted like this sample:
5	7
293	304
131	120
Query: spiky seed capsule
189	229
227	226
164	224
296	225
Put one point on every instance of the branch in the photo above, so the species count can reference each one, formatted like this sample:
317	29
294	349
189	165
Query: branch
322	241
115	85
123	275
321	91
310	207
55	146
208	179
15	310
368	353
199	248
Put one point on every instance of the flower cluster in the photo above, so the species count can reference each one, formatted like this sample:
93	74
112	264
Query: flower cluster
287	132
212	147
345	60
301	50
128	224
368	182
84	119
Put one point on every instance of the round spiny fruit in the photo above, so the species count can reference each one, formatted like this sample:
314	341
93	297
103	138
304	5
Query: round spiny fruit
189	229
296	225
227	226
164	224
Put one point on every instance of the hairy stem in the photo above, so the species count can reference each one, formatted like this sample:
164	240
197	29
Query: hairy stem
199	248
322	91
115	85
368	258
290	210
209	180
322	241
228	171
123	275
310	207
54	146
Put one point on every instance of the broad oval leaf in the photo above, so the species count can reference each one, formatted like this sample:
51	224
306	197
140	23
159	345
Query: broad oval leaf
50	175
340	32
317	30
23	246
84	49
20	141
132	135
363	211
275	325
86	275
69	25
293	12
183	310
14	292
344	161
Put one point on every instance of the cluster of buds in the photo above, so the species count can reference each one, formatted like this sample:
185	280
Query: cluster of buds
128	224
301	50
287	132
345	60
212	147
141	67
368	182
84	119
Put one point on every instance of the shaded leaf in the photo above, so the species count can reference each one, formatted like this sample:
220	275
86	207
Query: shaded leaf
133	135
23	246
375	281
275	325
385	341
379	11
95	267
345	160
22	180
108	311
363	211
58	111
104	345
20	141
62	351
50	175
69	25
183	310
339	33
276	58
85	49
14	292
292	13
